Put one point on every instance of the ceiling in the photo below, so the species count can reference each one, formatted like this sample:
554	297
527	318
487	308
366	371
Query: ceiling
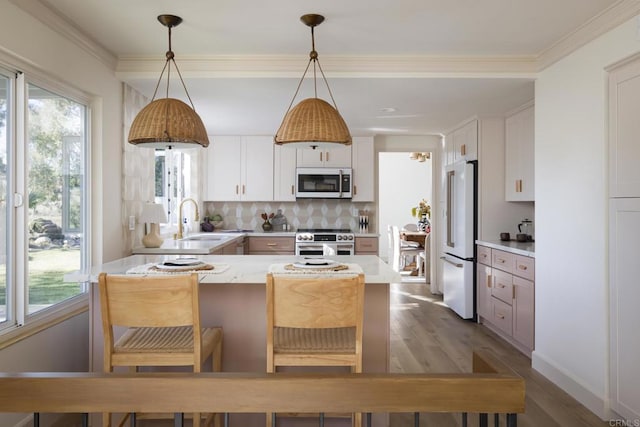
408	67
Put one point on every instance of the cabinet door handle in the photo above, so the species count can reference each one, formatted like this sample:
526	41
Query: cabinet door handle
513	293
501	316
463	150
242	188
272	244
236	189
355	190
522	267
501	285
501	260
292	191
488	280
321	156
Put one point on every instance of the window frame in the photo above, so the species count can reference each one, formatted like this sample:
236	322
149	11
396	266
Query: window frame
19	324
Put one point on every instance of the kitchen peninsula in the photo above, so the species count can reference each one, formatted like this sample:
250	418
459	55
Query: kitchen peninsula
234	298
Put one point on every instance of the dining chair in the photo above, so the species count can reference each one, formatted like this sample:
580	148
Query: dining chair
161	320
314	321
403	249
410	227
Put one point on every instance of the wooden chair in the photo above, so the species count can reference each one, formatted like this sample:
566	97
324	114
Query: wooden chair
314	321
403	249
161	315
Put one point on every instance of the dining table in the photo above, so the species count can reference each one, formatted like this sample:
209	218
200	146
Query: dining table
421	238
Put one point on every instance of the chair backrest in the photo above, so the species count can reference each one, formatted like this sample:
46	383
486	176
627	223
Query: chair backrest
315	302
149	301
410	227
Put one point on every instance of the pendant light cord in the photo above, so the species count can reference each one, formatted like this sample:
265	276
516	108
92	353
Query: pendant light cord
167	66
313	57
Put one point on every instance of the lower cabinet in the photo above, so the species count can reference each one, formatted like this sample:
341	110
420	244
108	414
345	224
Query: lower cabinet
366	246
506	296
277	245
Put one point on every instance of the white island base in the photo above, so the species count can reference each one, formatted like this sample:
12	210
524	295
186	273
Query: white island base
236	300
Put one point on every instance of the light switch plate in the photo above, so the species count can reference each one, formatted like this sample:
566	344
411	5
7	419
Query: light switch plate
132	223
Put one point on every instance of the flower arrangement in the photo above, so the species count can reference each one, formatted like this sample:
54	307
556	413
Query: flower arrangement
267	217
266	226
421	210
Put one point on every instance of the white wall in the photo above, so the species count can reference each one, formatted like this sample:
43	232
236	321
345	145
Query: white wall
402	184
571	213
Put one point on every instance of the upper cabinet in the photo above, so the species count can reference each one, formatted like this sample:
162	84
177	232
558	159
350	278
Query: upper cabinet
519	155
624	128
362	164
337	156
284	173
240	168
462	143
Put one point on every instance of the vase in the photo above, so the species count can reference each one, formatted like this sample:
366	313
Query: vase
266	226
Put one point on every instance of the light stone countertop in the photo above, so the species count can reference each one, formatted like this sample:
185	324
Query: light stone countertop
518	248
244	269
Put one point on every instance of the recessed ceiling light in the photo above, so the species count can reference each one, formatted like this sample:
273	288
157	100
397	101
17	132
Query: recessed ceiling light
388	110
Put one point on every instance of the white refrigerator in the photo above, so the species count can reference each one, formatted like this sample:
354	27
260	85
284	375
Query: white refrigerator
460	235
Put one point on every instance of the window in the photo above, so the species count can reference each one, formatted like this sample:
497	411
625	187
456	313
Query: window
43	175
173	182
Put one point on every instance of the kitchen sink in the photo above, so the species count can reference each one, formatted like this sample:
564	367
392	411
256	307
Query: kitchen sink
207	237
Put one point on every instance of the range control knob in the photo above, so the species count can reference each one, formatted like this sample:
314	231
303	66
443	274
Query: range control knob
350	237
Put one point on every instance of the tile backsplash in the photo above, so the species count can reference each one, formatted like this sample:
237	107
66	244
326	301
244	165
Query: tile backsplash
315	213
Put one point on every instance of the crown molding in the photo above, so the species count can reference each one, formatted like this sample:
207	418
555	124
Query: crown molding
346	66
66	29
608	19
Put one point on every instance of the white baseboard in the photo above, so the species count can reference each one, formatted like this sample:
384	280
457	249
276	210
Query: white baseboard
571	385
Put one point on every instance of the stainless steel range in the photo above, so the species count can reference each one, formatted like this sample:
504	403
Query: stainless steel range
323	242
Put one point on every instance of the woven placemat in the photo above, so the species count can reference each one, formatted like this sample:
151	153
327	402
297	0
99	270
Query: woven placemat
338	267
181	269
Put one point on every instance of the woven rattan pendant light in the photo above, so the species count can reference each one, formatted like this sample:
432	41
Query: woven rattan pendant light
313	119
168	122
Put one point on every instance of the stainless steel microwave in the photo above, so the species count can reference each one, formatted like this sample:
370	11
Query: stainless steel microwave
323	183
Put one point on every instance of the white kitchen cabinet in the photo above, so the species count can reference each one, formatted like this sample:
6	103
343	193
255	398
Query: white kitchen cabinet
624	300
624	130
324	156
519	155
240	168
284	173
624	237
461	144
362	163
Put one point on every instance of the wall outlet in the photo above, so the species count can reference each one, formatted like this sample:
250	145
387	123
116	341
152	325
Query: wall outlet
132	223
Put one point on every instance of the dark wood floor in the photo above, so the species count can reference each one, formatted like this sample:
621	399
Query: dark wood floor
426	336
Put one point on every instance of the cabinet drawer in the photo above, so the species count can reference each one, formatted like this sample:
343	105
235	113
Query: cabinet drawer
366	244
484	255
524	267
502	286
502	260
501	315
271	244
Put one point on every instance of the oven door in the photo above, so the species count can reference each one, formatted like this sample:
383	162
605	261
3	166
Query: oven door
310	249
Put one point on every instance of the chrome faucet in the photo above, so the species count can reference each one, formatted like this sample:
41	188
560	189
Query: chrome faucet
197	218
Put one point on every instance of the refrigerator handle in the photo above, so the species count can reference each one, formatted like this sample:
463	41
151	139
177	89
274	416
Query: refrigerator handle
450	189
456	264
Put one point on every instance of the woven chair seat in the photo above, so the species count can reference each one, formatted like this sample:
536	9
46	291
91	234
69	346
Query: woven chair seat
309	341
164	340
